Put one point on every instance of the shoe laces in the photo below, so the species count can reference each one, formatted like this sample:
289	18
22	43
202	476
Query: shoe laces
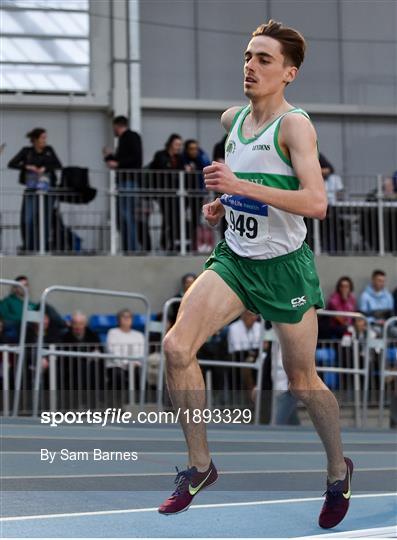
182	479
334	489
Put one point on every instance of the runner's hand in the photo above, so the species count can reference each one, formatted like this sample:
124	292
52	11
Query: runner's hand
218	177
213	212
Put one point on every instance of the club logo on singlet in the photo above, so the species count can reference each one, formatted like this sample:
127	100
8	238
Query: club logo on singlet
231	147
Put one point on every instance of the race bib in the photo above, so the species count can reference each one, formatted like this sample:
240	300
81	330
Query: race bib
246	218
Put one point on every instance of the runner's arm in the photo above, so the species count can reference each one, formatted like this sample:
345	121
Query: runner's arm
228	117
298	135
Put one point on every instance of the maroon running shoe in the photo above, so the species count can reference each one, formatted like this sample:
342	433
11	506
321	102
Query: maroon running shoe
337	499
188	484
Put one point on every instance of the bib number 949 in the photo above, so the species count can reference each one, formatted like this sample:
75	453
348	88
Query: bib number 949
245	226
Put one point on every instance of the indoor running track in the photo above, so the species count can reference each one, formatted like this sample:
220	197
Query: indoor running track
270	486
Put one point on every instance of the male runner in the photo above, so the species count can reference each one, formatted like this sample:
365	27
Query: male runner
271	180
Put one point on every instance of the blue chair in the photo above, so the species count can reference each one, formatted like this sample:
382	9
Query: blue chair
327	357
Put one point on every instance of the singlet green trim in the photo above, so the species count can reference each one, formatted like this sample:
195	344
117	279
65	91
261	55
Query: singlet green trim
281	181
235	118
276	144
240	127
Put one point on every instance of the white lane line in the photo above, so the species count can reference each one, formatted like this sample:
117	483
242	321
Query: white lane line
133	438
378	532
248	453
132	475
194	507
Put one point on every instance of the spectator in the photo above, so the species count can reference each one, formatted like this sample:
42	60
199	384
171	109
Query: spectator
80	334
186	281
389	191
342	299
37	164
80	374
218	153
333	182
11	308
125	342
195	159
376	302
166	185
395	300
128	155
243	344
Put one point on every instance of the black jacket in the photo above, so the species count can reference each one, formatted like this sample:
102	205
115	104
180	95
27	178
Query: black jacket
28	156
128	152
162	161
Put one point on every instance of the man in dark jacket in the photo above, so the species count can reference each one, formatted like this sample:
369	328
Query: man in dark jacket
128	155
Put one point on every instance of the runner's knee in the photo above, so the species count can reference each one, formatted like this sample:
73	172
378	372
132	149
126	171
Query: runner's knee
178	354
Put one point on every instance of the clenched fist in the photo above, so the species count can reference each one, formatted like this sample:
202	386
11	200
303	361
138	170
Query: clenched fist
213	212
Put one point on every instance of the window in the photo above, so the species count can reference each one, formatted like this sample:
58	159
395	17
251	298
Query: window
44	46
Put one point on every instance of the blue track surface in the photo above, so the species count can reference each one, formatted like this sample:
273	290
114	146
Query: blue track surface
271	484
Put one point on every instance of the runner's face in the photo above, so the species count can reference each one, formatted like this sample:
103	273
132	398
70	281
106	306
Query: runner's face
264	70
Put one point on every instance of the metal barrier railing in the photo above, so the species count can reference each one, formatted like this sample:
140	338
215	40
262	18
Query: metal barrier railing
385	371
42	351
356	370
256	366
146	211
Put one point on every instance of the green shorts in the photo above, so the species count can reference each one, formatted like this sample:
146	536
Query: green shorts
281	289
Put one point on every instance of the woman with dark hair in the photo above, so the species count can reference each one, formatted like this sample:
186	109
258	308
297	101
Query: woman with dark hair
342	299
168	159
37	164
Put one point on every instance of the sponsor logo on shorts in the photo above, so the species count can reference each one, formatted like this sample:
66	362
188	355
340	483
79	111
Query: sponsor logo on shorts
261	147
299	301
231	147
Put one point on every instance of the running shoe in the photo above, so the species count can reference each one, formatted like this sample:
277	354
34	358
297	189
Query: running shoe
188	484
337	499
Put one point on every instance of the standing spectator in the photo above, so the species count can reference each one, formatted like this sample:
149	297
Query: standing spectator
395	300
243	344
166	185
218	153
376	302
195	159
125	342
333	182
128	155
342	299
37	164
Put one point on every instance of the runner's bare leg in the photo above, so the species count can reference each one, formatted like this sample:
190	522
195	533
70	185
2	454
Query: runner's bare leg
208	305
298	344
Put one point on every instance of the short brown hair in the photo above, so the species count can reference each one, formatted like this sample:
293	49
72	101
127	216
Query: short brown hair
293	44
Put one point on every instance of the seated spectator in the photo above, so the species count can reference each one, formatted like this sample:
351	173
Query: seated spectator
79	373
80	334
186	281
11	308
243	344
125	342
342	299
376	302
